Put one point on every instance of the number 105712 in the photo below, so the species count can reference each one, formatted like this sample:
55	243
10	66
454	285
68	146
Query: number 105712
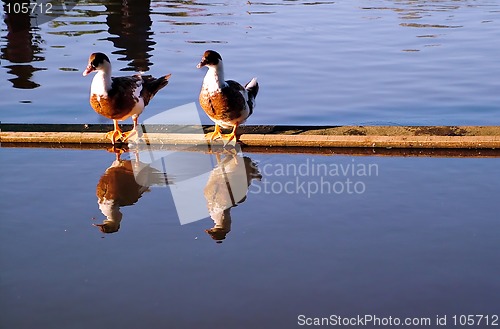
28	8
475	320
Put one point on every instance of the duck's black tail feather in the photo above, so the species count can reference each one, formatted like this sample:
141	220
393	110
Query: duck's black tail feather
253	88
151	86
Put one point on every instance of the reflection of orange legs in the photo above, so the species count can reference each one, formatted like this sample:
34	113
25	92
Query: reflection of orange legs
217	157
118	151
133	132
216	134
115	134
231	137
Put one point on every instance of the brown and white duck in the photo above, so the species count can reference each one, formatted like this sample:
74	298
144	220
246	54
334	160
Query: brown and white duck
119	98
123	184
227	187
227	103
116	188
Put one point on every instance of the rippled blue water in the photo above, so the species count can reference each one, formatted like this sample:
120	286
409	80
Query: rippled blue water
323	62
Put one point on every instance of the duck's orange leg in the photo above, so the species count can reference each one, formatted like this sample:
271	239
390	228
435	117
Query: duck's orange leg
117	132
231	136
216	134
133	132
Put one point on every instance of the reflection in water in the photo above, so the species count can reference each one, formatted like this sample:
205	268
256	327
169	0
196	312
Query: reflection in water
437	26
411	10
23	46
227	186
122	184
130	26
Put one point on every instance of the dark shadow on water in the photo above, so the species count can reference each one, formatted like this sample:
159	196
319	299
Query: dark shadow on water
129	24
129	28
22	49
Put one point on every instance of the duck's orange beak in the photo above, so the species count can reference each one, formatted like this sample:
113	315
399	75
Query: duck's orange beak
89	69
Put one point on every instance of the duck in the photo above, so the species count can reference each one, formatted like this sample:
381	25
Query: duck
227	187
226	102
123	184
119	98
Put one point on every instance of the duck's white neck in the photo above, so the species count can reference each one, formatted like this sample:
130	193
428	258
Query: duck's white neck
110	209
222	219
101	83
214	79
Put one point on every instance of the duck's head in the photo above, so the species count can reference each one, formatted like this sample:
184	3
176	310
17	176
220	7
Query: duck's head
97	62
108	226
210	59
217	234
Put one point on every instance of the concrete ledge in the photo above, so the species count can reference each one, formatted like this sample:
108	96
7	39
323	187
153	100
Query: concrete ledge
325	151
407	137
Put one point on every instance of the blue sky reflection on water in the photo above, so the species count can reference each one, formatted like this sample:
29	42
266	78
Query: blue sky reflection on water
364	62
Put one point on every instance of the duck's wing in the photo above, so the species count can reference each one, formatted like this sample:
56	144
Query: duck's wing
236	95
125	92
121	86
235	86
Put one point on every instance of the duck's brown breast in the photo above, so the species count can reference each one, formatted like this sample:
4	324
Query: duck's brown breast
113	107
226	104
118	184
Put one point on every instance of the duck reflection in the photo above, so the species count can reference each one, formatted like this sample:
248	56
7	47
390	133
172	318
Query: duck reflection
122	184
130	24
22	47
227	186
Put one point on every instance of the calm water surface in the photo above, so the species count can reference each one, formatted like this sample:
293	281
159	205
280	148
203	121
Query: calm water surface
415	237
406	237
322	62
